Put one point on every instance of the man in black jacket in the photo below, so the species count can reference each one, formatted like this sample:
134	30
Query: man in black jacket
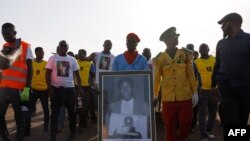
232	71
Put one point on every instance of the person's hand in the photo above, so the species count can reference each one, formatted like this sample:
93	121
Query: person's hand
80	92
195	99
4	61
155	102
25	94
213	91
95	89
104	132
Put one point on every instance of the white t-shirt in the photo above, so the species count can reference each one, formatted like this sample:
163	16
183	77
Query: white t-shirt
104	63
62	68
29	54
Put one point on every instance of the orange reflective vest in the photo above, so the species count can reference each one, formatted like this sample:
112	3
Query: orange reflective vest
16	75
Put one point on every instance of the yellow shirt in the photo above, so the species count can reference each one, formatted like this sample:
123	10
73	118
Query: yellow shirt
205	68
38	78
85	68
175	76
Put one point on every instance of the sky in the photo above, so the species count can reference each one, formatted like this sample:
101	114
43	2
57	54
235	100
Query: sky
85	24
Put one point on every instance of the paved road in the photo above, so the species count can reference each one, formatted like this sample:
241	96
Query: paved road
89	133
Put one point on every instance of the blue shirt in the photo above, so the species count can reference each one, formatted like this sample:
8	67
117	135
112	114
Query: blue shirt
120	63
233	61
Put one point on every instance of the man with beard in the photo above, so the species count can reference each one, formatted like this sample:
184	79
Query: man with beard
232	71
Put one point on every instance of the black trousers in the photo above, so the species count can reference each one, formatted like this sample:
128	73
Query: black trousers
235	104
63	96
27	122
43	96
88	106
11	96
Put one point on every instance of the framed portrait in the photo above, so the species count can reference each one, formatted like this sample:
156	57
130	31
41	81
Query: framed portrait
126	106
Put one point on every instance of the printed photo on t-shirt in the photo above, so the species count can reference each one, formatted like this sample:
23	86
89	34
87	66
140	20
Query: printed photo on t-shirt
104	62
63	68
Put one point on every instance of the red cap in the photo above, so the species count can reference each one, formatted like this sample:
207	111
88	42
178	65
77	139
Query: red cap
134	36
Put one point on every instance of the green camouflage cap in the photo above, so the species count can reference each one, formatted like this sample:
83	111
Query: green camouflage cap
168	33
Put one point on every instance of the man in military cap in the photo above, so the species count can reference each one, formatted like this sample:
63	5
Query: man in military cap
232	71
130	59
174	72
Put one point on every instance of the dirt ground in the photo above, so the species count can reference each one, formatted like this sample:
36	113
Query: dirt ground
90	133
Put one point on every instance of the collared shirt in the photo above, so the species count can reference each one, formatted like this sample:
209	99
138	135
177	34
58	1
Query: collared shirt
233	61
175	76
127	107
120	63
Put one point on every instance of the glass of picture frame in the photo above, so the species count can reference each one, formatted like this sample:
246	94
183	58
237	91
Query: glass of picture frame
126	106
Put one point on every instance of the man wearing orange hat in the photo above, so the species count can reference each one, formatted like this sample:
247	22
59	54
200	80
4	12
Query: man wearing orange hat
130	59
174	73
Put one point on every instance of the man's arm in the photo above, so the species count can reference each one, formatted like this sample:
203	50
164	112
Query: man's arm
4	61
157	75
92	74
29	58
114	65
216	67
78	80
190	72
29	72
48	78
198	76
145	63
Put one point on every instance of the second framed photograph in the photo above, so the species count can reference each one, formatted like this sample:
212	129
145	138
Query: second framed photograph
125	106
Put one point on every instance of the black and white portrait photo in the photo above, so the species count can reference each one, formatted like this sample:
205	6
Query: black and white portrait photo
125	106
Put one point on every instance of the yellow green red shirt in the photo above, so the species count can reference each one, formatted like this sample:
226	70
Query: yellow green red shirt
175	76
38	78
86	67
205	68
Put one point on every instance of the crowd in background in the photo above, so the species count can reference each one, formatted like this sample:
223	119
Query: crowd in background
185	85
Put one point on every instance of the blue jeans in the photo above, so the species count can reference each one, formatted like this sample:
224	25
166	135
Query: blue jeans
207	105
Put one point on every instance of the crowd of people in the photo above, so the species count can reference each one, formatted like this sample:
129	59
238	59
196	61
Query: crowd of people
187	88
